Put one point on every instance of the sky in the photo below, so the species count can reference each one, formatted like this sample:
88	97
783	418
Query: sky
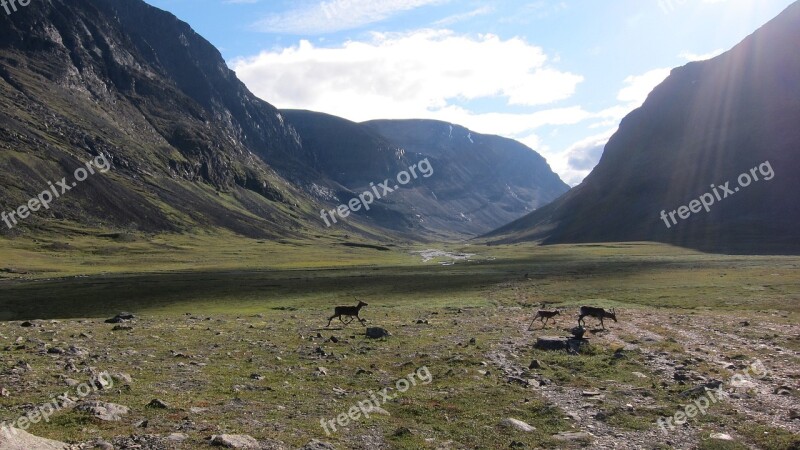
557	75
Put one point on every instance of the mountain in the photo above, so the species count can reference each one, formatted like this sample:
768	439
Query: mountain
190	147
707	124
479	182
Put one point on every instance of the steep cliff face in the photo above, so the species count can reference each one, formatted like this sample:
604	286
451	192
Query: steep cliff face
189	144
706	124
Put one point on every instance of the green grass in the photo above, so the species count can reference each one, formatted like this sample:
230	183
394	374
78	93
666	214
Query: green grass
267	301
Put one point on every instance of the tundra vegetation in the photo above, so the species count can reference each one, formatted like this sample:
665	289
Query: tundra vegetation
229	336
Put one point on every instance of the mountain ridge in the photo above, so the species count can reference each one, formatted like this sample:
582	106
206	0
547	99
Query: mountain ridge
707	123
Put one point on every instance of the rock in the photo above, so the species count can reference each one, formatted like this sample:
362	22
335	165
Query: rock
122	376
592	393
317	445
472	341
517	424
551	343
377	333
103	445
4	392
680	376
376	410
27	324
77	352
535	364
721	436
782	390
158	404
256	376
578	332
321	372
177	437
571	436
235	441
121	317
122	328
55	351
794	414
107	412
16	439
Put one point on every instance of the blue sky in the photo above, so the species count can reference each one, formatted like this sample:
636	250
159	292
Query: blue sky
556	75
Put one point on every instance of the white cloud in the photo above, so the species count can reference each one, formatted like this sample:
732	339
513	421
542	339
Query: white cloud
689	56
421	74
639	86
575	163
336	15
456	18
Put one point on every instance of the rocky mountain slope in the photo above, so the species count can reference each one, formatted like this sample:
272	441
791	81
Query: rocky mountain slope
483	178
707	124
479	182
191	148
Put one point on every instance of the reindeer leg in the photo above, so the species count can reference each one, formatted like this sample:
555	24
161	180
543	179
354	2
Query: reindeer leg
329	320
602	324
531	325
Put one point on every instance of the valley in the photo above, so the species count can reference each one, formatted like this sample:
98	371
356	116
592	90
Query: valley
241	347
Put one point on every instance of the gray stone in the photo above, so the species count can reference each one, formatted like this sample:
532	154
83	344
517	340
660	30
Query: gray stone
377	332
107	412
16	439
318	445
570	436
551	343
235	441
517	424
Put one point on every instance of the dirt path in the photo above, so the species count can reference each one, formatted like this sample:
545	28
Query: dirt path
699	344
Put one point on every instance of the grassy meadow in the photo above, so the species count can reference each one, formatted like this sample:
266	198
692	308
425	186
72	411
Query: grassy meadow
231	334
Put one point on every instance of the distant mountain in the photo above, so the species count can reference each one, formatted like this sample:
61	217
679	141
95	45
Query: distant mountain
706	124
480	182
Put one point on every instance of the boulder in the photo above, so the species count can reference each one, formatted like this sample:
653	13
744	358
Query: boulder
16	439
377	333
107	412
517	424
235	441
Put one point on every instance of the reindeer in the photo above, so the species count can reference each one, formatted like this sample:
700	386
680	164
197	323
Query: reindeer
544	315
597	313
350	311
